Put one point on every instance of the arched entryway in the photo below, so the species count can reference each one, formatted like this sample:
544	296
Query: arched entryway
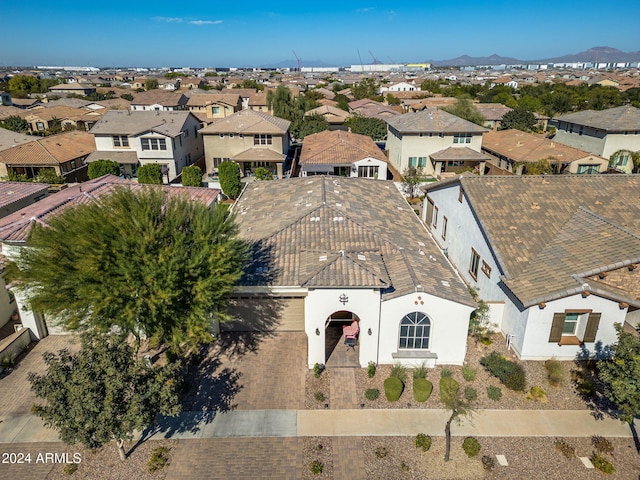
337	352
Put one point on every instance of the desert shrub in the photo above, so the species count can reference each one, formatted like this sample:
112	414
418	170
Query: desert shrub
486	341
420	372
319	396
511	374
537	394
381	452
445	372
470	394
316	467
471	446
488	462
393	387
318	368
159	458
564	448
602	445
469	373
399	371
404	467
602	463
423	442
70	468
422	389
555	372
494	393
371	369
371	393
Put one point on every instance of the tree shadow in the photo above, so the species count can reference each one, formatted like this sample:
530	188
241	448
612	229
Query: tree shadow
587	382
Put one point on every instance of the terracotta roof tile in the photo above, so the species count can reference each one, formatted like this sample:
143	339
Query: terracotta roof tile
338	148
433	121
249	122
619	119
52	150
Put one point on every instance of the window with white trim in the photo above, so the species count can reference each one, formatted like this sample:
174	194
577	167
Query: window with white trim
415	331
475	264
262	139
153	143
120	141
462	138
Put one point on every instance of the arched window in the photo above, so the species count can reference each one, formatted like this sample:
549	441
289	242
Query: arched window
415	331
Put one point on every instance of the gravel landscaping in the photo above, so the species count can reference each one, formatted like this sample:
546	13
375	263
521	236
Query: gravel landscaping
317	390
317	449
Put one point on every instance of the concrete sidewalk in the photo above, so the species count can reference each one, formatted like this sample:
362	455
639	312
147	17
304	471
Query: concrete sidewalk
349	423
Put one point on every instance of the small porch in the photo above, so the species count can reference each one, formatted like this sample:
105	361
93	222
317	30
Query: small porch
341	348
253	158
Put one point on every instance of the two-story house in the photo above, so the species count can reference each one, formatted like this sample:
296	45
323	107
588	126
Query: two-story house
252	139
554	256
603	133
170	139
414	137
211	106
159	100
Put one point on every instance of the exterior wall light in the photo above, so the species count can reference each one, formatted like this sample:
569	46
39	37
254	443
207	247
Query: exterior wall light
318	331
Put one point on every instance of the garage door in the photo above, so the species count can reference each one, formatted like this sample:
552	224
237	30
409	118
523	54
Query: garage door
283	314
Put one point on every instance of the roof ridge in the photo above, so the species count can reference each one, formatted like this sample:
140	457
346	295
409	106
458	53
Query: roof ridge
366	267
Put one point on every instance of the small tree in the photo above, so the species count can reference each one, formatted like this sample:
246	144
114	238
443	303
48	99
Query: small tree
262	173
103	393
308	125
49	176
453	400
192	176
480	322
373	127
518	118
103	167
151	84
15	124
150	174
621	375
411	178
464	108
127	96
229	175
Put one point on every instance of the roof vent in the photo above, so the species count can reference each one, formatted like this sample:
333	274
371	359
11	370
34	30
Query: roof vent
323	258
362	257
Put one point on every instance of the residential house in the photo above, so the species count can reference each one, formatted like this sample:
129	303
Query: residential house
9	138
25	103
399	87
252	139
132	138
41	119
373	109
16	228
159	100
73	88
512	150
368	266
343	154
493	113
210	106
333	115
413	137
554	256
63	154
602	132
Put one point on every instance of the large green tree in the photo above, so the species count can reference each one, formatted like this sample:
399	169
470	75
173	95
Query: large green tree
151	263
15	124
103	393
620	375
281	102
103	167
519	119
464	108
367	88
229	175
373	127
308	125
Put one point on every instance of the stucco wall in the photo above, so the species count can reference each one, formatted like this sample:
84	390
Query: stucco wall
227	146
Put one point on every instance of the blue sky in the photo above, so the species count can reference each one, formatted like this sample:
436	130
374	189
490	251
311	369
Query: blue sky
248	33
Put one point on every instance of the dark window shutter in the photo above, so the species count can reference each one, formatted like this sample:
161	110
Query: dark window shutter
556	327
429	217
592	327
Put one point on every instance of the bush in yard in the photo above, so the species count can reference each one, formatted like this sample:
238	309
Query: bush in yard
494	393
381	452
555	372
192	176
471	446
159	458
318	368
470	394
316	467
445	372
371	393
319	396
422	389
229	175
262	173
423	441
602	463
70	468
469	373
537	394
150	174
103	167
511	374
393	388
399	371
371	369
420	372
602	445
564	448
488	462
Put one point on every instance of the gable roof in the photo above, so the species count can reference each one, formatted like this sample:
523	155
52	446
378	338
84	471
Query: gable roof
15	228
338	147
51	150
12	192
128	122
331	113
526	147
204	99
160	97
325	232
548	233
9	138
433	121
249	122
618	119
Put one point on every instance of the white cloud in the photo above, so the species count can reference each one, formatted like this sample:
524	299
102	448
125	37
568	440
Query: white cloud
205	22
168	19
365	10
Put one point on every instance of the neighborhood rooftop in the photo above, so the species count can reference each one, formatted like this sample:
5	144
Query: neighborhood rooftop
249	122
434	121
127	122
619	119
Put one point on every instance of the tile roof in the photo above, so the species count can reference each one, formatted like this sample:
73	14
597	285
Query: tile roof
60	112
204	99
128	122
122	157
338	147
52	150
259	154
526	147
434	121
160	97
9	111
618	119
249	122
492	111
15	228
11	192
341	232
331	113
549	233
9	138
458	153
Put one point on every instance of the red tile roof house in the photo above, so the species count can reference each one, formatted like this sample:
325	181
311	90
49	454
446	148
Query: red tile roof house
15	228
